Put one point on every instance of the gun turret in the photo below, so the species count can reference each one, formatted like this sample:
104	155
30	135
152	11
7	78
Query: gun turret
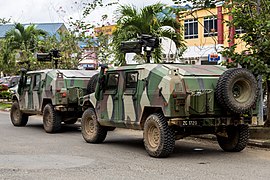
144	42
48	57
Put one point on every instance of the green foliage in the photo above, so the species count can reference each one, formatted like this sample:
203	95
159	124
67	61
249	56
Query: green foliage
148	20
198	3
5	105
254	19
105	51
5	95
19	45
81	27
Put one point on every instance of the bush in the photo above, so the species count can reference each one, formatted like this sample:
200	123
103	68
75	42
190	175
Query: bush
5	95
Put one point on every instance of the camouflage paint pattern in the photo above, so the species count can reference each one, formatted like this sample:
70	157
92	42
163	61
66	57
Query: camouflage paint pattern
178	90
62	88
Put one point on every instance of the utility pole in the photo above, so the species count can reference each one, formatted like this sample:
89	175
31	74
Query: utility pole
260	114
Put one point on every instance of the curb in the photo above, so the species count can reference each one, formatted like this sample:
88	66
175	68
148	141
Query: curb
259	143
262	143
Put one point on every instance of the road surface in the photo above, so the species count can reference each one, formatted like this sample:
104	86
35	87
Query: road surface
30	153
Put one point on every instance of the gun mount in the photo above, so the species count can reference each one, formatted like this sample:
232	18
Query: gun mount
144	42
48	57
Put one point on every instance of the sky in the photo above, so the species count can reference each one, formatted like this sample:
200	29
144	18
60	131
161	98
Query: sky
47	11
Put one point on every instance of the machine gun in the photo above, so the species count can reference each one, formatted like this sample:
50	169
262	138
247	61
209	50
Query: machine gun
144	42
48	57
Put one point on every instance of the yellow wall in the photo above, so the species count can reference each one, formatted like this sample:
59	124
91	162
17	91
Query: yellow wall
208	41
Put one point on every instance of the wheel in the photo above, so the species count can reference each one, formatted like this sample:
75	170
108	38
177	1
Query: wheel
237	138
17	117
158	137
71	121
91	86
237	90
92	131
51	119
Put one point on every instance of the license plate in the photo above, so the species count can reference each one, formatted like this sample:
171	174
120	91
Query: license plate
190	123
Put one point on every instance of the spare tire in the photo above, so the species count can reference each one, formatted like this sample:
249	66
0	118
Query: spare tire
237	90
91	86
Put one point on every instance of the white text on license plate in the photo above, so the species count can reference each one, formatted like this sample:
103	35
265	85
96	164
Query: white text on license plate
190	123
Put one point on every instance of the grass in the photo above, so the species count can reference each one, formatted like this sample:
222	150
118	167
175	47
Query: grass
5	105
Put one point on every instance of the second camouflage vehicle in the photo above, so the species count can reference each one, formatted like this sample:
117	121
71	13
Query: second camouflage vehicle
53	93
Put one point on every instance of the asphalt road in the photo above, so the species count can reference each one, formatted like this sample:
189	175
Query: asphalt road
30	153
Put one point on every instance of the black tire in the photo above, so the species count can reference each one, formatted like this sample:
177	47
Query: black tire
71	121
158	137
17	117
51	119
91	86
237	138
237	90
92	131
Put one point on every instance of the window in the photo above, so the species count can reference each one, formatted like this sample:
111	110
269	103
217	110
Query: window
37	81
28	82
131	83
131	80
191	28
112	81
210	26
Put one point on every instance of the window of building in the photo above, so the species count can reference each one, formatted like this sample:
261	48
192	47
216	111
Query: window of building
210	26
191	28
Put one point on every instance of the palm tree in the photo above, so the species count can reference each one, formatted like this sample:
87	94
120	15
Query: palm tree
148	20
24	40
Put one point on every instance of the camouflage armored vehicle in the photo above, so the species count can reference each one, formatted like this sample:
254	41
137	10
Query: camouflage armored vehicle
169	102
53	93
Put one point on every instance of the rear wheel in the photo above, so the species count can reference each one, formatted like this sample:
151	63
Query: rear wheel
237	138
159	138
51	119
17	117
92	131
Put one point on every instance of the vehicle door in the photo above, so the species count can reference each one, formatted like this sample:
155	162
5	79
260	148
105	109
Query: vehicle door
130	99
36	92
107	107
26	97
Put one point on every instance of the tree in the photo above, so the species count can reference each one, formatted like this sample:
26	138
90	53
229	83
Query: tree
68	45
148	20
253	16
23	40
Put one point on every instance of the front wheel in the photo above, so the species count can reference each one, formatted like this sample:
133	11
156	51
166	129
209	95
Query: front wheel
17	117
51	119
92	131
159	138
237	138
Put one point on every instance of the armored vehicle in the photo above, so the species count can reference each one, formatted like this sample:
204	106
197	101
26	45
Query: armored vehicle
53	93
169	102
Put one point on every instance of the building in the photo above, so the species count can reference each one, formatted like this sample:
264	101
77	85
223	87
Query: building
206	34
51	28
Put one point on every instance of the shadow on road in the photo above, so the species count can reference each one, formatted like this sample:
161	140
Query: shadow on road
66	128
183	148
